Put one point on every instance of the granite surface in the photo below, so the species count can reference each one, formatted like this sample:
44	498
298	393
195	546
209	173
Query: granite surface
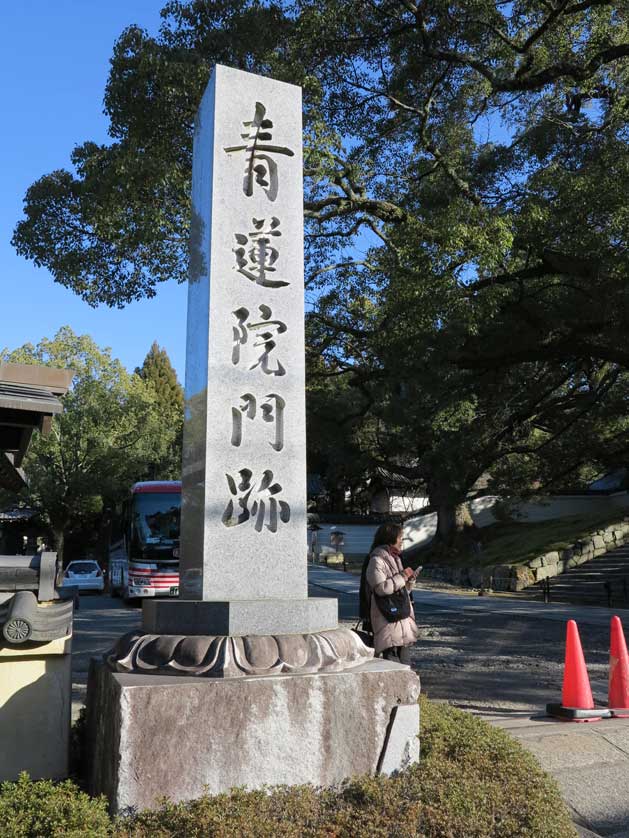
208	656
244	468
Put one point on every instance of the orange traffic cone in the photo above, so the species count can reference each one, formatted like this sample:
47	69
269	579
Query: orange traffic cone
577	704
618	697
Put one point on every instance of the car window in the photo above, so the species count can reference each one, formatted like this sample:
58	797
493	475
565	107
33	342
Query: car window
83	567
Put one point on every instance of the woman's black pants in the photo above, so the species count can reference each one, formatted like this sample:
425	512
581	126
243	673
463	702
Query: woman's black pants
399	654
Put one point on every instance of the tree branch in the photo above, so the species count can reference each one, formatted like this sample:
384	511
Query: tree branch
552	262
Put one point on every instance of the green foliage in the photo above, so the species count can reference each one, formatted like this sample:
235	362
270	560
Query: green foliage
43	809
117	224
340	439
478	782
466	177
158	373
110	429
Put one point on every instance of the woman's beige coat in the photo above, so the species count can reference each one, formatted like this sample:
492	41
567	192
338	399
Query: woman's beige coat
384	576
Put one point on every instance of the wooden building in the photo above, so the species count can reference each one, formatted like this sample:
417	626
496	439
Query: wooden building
29	398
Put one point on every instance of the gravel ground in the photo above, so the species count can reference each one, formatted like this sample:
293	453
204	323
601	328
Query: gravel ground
492	662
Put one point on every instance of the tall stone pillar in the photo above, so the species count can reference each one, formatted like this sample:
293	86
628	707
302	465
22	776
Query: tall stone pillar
243	532
244	610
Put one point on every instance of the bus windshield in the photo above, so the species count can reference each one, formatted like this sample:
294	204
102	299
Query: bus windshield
156	517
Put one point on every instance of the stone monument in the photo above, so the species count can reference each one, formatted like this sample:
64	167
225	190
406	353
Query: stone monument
270	689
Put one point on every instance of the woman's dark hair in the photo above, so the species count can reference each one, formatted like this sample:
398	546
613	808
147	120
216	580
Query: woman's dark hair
386	534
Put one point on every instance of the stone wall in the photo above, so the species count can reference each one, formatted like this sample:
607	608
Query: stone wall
505	577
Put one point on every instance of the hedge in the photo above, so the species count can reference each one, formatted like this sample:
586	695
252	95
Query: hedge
44	809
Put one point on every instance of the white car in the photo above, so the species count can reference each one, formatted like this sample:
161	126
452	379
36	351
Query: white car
84	574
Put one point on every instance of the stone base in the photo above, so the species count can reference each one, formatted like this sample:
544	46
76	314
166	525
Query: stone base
35	702
238	618
150	736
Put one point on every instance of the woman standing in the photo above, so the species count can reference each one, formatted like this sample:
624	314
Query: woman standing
387	587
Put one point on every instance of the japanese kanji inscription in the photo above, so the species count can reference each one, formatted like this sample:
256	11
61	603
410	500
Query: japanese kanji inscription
255	256
261	168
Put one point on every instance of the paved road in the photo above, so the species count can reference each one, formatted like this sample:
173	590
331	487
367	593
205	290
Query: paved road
480	654
98	623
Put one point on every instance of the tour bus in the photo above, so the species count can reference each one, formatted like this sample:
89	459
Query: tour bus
144	559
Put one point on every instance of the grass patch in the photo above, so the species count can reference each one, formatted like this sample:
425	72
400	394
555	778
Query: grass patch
474	781
517	543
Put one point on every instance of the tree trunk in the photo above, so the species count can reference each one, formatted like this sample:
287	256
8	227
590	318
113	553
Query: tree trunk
453	514
59	539
338	498
452	518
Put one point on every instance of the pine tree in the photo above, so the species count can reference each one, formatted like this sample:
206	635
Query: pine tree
159	375
158	371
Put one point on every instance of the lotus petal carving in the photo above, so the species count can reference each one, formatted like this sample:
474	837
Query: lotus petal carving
236	657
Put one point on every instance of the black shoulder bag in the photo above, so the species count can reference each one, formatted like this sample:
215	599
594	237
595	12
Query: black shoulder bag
394	607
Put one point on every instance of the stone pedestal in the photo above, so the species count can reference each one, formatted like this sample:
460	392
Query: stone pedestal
151	735
35	704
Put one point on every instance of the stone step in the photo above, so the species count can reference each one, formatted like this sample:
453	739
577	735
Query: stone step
585	584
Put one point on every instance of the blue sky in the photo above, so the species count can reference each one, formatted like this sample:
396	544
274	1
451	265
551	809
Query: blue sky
54	64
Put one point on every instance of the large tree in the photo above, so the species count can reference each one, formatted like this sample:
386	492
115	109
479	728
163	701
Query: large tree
463	126
101	442
538	426
466	170
485	330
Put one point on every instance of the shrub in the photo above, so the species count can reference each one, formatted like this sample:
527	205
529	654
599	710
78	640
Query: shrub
478	782
44	809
